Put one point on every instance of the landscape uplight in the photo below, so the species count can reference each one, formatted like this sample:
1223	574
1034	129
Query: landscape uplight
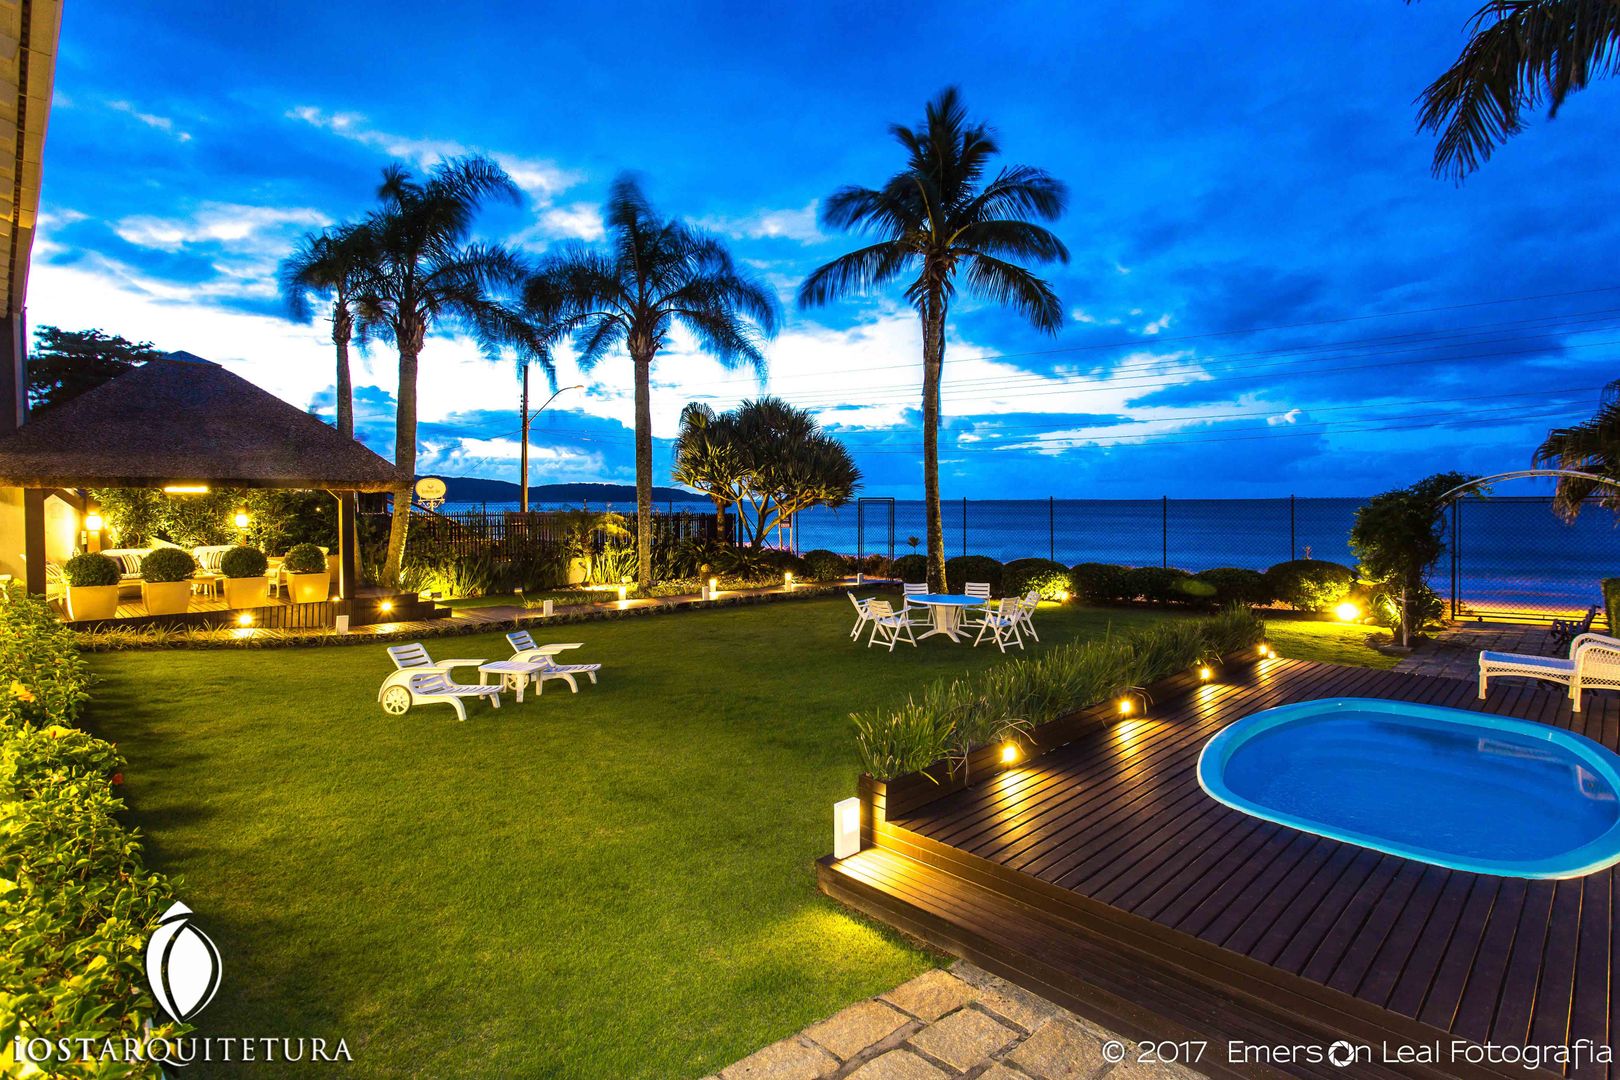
787	579
1347	612
624	593
1205	673
386	606
846	828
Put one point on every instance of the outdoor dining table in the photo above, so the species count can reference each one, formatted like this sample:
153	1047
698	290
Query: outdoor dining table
946	611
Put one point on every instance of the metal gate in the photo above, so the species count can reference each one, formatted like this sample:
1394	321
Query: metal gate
878	515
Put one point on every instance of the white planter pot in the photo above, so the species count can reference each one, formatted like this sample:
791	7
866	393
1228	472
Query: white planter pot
92	601
309	588
247	592
166	597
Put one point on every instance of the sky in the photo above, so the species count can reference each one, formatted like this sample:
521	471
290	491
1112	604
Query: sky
1267	293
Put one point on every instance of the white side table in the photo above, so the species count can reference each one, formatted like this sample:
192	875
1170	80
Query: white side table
515	674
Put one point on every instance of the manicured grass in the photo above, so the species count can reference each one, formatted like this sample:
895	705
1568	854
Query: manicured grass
617	883
1332	642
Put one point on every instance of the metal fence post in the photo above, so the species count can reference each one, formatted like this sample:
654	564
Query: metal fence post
964	525
1051	527
1456	554
1293	540
1164	530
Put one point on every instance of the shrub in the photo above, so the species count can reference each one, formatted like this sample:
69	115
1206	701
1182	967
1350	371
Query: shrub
1611	603
1050	579
910	568
1310	584
823	565
1160	585
1235	585
1099	583
168	564
303	559
91	569
965	568
779	562
243	562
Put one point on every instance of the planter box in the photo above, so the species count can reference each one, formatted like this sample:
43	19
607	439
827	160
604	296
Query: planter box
92	601
309	588
166	597
247	592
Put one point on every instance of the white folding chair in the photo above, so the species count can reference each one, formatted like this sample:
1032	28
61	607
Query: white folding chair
862	615
887	624
1026	613
980	591
1002	622
524	650
915	614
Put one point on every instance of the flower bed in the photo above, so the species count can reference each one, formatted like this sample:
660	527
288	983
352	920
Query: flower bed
76	900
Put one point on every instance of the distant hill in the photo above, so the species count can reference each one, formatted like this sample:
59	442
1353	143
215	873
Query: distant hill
476	489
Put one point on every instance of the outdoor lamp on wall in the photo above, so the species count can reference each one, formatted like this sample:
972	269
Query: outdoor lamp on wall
846	828
93	522
241	519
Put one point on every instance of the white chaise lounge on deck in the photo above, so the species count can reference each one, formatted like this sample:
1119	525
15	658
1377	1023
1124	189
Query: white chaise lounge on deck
525	650
418	680
1593	664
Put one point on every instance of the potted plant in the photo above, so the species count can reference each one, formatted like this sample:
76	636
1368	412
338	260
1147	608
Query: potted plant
246	584
307	574
92	586
166	581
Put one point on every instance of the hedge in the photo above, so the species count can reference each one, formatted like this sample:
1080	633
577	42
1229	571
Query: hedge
1310	584
1050	579
77	902
92	569
303	559
1236	585
965	568
168	564
1159	585
1098	583
823	565
911	568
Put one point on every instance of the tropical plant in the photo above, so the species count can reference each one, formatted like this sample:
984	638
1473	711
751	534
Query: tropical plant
333	266
1399	537
168	564
304	559
91	569
654	274
1520	55
786	464
707	458
427	273
935	221
243	562
65	363
1591	447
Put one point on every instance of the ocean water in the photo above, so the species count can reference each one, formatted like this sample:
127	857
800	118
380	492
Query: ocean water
1514	553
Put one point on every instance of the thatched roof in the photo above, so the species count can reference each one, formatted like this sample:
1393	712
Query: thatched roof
178	422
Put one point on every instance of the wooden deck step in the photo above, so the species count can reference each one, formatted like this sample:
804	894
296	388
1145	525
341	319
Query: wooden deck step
1136	994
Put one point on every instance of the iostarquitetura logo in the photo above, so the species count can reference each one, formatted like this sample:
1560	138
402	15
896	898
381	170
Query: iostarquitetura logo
182	965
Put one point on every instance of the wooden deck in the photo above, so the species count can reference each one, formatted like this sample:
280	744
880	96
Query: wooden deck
1106	854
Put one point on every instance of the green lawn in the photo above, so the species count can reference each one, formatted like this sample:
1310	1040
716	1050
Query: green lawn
614	884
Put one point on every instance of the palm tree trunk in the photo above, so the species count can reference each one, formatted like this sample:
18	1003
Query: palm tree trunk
342	328
404	457
933	369
644	466
720	521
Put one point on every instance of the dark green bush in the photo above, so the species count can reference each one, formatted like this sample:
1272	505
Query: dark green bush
90	569
823	565
168	564
243	562
1050	579
1611	602
304	559
912	568
965	568
1310	584
1098	583
1236	585
1160	585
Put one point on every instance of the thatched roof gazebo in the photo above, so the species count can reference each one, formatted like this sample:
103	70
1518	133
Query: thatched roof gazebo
178	424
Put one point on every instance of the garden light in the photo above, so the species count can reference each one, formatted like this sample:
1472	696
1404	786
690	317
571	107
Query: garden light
244	619
241	519
1126	706
1009	753
1205	674
787	579
386	606
92	522
546	607
846	828
714	587
1347	612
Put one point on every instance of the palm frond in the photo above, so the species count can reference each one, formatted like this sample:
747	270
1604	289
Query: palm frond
1017	288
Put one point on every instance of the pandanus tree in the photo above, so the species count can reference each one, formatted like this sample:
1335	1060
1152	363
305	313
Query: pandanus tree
654	274
943	220
331	266
428	274
1592	447
708	458
788	465
1521	55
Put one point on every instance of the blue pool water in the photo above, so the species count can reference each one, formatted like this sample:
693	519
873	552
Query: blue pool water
1454	788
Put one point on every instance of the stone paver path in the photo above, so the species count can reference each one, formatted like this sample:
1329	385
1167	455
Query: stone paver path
1454	652
943	1025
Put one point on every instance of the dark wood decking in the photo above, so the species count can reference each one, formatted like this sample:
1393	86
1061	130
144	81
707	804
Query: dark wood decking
1117	822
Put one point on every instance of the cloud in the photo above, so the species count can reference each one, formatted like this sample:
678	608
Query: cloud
797	225
151	120
1154	327
1290	417
251	228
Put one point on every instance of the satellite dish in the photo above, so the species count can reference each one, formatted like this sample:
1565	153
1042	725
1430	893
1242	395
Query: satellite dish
430	491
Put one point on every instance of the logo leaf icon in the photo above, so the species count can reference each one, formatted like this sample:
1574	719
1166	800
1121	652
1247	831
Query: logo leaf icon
182	964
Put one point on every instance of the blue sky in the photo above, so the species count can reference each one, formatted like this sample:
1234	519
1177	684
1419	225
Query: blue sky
1268	294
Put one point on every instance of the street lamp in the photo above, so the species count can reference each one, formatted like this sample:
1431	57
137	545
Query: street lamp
527	417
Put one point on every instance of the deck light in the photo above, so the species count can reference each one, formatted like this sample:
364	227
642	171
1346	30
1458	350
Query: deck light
1347	612
1205	674
1009	753
185	489
386	606
1126	706
244	619
92	522
1266	651
241	519
846	828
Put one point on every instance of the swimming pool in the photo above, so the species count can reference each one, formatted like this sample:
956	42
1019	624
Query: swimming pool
1457	789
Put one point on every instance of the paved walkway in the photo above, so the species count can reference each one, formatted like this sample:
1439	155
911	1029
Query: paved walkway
942	1025
1454	653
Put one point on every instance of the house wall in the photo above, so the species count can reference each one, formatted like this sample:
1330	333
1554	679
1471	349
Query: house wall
61	532
11	532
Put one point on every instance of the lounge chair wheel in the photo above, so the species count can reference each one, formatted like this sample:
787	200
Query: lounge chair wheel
396	701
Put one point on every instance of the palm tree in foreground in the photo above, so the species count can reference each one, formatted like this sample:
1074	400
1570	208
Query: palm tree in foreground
934	218
1521	54
331	264
427	273
1592	446
655	273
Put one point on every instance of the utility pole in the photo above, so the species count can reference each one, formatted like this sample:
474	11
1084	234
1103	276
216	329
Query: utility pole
528	417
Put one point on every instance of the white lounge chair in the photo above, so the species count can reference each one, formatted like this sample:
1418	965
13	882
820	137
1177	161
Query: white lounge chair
524	650
862	615
1026	613
1002	622
888	624
1593	664
418	680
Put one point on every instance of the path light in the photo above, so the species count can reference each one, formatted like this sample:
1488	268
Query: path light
624	593
714	587
545	607
1009	753
787	579
1347	612
846	828
386	606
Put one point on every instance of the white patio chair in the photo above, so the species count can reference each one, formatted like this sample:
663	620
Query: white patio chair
915	614
417	680
524	650
862	615
1002	622
974	616
1593	664
1026	613
888	624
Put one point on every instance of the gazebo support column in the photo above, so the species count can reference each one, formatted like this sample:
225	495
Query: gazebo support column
34	538
348	581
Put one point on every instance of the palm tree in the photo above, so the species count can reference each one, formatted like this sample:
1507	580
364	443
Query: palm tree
655	273
1592	446
935	217
331	264
707	458
427	273
1520	55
